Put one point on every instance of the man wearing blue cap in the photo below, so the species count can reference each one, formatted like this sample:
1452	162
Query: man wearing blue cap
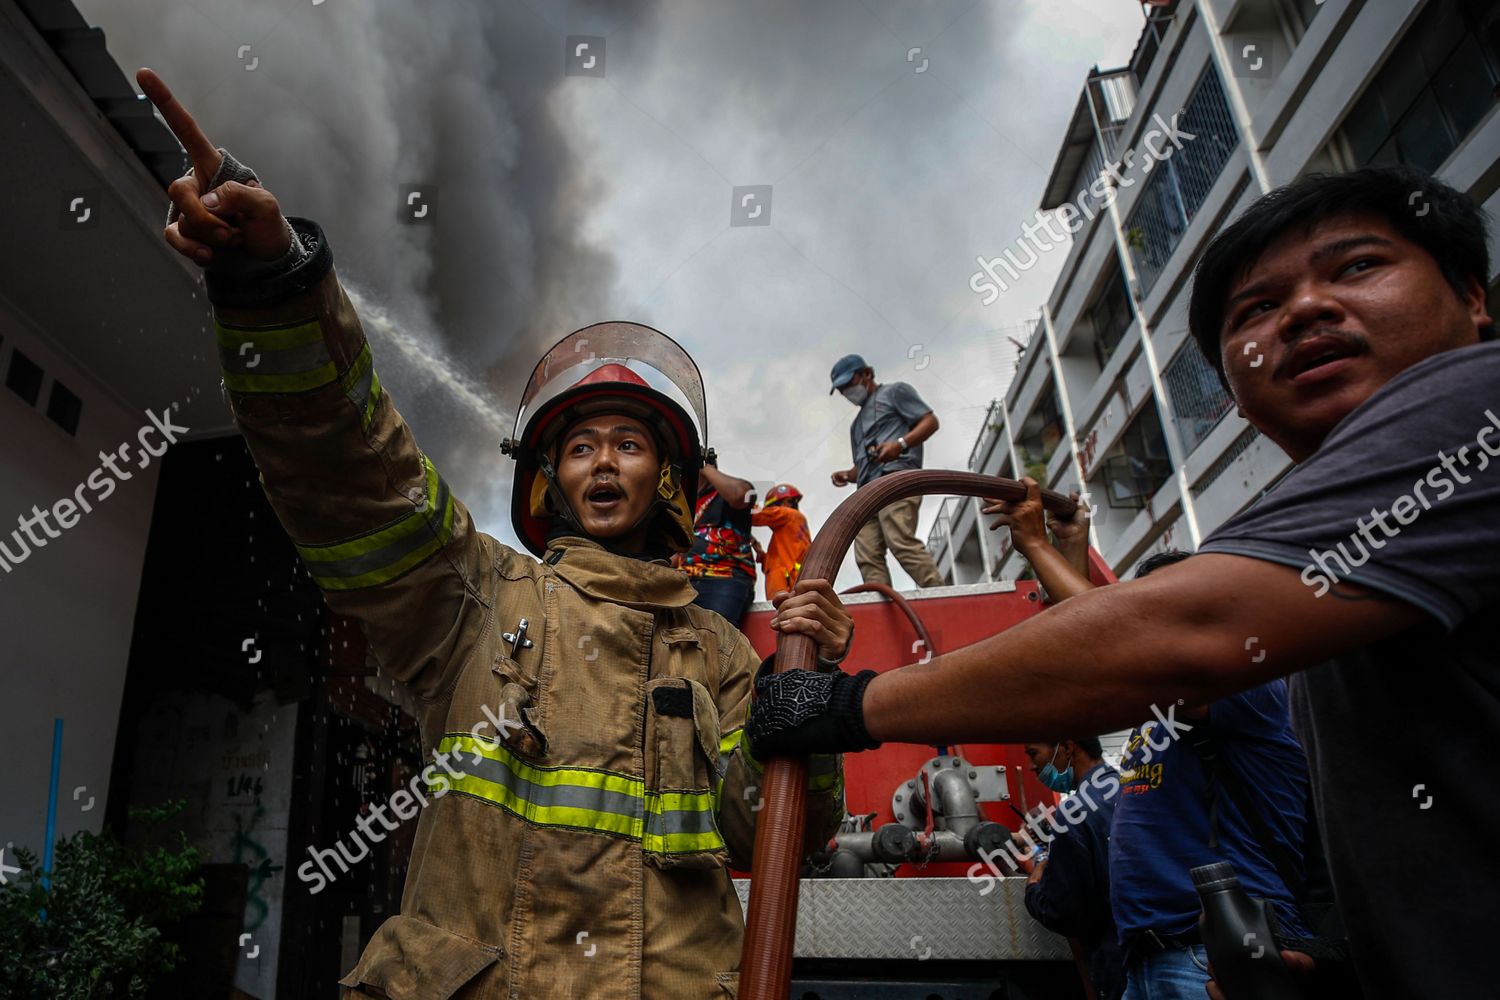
886	436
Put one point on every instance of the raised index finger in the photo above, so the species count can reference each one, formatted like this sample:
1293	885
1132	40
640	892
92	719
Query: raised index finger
204	154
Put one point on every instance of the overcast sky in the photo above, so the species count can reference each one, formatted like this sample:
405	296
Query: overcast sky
560	200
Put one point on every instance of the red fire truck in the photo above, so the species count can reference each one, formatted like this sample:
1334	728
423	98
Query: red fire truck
902	904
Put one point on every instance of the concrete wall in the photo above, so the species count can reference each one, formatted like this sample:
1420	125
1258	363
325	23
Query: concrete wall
67	609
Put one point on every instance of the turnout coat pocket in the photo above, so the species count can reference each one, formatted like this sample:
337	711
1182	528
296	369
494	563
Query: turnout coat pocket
410	959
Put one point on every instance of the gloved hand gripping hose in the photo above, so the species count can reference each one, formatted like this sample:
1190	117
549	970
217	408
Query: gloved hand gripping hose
771	925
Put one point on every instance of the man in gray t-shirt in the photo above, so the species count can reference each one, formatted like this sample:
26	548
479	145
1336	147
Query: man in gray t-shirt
886	436
1348	316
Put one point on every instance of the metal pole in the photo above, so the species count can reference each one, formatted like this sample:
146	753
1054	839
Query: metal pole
57	734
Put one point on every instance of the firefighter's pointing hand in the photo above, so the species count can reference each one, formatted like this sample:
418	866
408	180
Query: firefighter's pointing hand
813	609
214	220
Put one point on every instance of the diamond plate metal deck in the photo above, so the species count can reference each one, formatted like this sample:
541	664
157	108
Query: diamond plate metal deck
917	918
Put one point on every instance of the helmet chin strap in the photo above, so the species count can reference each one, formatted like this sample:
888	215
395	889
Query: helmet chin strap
560	504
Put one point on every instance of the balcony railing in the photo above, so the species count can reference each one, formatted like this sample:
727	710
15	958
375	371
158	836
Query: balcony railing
1199	399
1180	185
989	433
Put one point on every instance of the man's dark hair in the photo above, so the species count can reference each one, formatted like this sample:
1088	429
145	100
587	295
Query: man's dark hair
1089	745
1157	560
1436	217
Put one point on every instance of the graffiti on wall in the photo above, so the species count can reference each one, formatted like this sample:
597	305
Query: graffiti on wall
235	769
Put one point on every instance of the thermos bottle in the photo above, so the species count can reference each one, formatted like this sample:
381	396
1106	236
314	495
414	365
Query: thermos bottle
1239	934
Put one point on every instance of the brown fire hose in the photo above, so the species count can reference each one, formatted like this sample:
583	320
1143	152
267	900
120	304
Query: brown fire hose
894	596
771	924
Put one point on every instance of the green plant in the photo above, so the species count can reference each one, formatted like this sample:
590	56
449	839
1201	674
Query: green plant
96	932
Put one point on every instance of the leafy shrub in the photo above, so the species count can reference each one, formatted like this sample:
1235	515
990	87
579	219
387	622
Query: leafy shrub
97	931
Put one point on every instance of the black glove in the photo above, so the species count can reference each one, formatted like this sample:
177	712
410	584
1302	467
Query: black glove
803	712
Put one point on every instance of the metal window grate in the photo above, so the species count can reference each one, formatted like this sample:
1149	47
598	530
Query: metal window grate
1179	185
1234	451
1199	399
1201	160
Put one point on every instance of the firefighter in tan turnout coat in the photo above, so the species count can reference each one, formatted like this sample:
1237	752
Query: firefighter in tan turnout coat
597	787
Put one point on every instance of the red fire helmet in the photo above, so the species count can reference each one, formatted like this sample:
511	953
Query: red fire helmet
611	368
782	492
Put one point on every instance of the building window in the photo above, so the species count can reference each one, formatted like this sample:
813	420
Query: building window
1040	433
1432	91
1110	316
24	377
1137	465
1179	186
1199	399
64	408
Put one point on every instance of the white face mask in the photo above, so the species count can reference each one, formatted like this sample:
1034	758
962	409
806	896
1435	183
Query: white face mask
856	394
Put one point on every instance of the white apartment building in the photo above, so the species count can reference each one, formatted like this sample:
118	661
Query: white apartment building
1112	396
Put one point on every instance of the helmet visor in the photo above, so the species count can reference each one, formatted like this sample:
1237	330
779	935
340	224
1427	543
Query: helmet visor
658	359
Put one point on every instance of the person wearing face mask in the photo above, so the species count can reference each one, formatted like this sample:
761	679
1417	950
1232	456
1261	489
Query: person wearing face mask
1068	891
886	436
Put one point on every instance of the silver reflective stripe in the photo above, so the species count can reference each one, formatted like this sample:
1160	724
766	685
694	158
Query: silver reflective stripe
287	361
680	821
557	796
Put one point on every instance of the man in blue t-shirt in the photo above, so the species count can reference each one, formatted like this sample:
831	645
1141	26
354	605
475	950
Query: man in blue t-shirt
886	436
1347	314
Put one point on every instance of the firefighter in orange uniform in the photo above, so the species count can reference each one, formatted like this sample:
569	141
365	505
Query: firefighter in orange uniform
790	538
581	845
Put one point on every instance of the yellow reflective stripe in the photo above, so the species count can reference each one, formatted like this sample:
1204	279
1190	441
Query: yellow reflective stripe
728	743
362	386
385	574
380	538
612	781
374	397
580	798
299	382
386	553
681	843
755	765
823	770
